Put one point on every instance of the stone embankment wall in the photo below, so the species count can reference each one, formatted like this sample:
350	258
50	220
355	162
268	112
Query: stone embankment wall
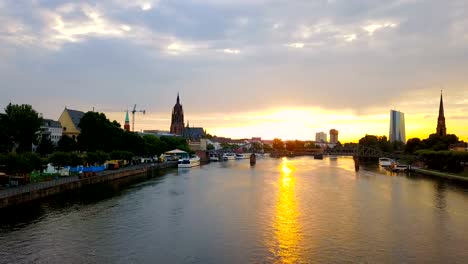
34	191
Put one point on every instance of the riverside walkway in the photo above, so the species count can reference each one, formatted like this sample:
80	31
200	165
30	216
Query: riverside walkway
73	182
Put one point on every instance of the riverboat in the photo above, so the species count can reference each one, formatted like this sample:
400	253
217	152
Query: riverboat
386	162
214	157
399	168
229	156
190	162
239	156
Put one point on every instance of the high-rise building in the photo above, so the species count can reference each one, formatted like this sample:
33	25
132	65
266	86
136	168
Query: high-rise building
177	121
127	122
334	136
321	137
397	126
441	129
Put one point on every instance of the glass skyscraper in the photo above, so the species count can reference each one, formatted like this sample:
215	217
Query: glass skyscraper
397	126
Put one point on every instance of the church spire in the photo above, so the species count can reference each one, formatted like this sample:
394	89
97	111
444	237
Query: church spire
441	106
178	100
441	128
127	122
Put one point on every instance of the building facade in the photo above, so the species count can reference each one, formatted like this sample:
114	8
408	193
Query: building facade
441	128
333	136
321	137
397	126
70	119
177	120
51	129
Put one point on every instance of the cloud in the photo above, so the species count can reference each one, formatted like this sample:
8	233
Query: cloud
360	55
373	27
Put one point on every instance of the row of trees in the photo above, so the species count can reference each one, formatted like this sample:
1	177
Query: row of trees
99	140
293	145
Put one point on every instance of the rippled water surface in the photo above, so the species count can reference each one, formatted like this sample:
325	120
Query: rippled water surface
282	211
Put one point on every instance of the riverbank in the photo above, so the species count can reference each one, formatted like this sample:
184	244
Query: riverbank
439	174
35	191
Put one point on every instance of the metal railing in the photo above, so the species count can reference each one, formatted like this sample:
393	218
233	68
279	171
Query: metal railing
13	191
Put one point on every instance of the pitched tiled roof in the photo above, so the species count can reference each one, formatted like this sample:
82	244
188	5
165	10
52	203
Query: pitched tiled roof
51	123
75	116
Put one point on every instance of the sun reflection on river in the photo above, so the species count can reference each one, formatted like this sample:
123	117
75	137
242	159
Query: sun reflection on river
286	224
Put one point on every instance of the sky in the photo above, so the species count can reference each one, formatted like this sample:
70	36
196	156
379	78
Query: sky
243	68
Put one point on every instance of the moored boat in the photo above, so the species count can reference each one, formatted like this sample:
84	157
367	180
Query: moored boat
239	156
386	162
189	162
399	168
229	156
214	157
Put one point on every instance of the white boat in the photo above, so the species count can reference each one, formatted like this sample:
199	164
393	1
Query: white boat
189	162
399	168
386	162
239	156
229	156
214	157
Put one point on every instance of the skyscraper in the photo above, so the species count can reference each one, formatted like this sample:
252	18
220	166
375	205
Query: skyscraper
321	137
333	136
441	129
177	121
397	126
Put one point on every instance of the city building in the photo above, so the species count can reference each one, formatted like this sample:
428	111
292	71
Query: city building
127	122
321	137
333	136
441	128
69	119
177	121
194	133
397	126
52	130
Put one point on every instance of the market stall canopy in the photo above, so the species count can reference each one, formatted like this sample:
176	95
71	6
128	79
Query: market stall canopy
176	151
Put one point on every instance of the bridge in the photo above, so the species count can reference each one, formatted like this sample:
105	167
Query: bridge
362	152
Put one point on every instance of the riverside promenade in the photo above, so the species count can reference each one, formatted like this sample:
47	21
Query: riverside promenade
38	190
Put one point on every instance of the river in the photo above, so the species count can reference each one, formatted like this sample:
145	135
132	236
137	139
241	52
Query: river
296	210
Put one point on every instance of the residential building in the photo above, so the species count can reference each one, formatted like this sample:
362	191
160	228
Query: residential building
441	128
51	129
334	136
321	137
70	119
397	126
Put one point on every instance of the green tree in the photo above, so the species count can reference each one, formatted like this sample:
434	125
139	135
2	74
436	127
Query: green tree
278	144
210	147
21	124
290	145
60	159
412	145
67	144
45	146
21	163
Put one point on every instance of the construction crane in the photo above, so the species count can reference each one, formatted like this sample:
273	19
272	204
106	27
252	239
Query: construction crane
133	116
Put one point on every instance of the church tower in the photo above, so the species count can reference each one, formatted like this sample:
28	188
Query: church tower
127	122
177	122
441	129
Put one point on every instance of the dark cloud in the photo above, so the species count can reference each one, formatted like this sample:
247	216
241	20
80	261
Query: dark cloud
414	45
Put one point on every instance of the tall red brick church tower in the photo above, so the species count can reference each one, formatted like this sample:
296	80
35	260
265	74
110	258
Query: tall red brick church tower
177	121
